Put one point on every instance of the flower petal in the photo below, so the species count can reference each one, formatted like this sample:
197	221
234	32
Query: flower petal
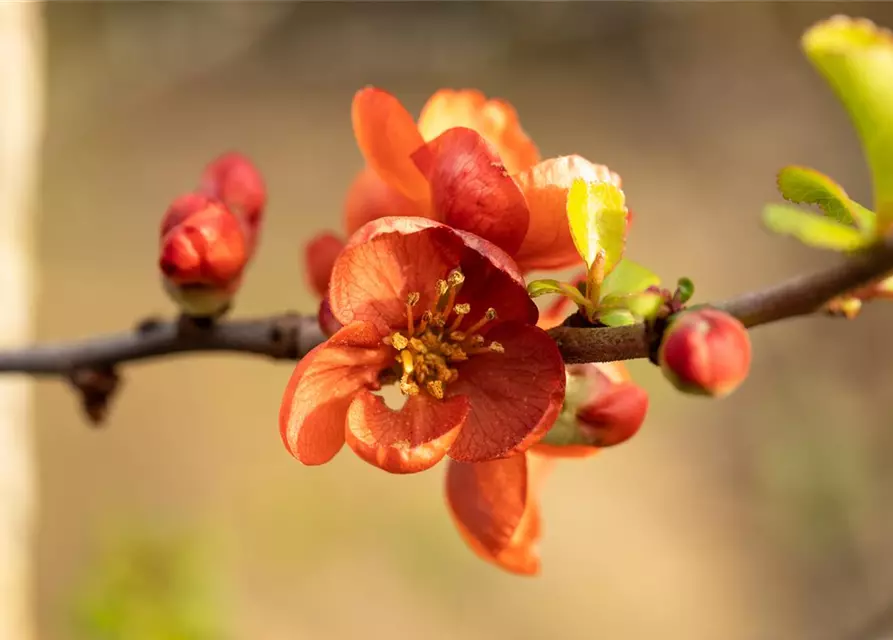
390	258
387	136
515	396
409	440
319	257
471	190
312	417
494	507
496	120
548	243
370	198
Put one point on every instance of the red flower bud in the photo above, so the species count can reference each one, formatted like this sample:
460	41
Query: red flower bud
319	257
705	352
615	415
235	181
202	254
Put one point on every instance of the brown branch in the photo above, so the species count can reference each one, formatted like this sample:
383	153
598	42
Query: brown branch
289	336
285	337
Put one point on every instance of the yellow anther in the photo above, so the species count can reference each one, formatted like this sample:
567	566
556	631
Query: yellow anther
462	309
413	298
417	345
496	347
407	361
476	340
441	288
491	314
457	336
399	341
455	278
435	388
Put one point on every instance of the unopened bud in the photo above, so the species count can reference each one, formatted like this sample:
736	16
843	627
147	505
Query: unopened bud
615	415
234	180
705	352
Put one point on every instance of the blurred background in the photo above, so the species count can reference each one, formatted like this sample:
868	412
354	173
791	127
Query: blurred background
765	515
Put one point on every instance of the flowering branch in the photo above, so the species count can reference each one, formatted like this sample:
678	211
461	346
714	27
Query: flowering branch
290	336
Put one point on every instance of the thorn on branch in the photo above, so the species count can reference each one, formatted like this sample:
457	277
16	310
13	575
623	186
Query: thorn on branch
96	387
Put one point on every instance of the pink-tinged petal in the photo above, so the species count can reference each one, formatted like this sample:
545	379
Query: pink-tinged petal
371	281
471	189
408	440
496	120
515	396
390	258
313	414
370	198
387	136
319	258
494	506
326	319
548	243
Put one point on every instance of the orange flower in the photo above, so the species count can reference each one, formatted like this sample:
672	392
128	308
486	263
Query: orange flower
495	504
414	169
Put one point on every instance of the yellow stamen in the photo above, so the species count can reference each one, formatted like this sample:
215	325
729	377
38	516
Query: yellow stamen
488	317
435	388
399	341
433	346
411	301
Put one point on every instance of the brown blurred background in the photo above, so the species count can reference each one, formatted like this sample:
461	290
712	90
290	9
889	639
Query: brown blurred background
766	515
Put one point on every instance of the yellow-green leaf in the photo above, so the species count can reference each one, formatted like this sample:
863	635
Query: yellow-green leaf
628	277
856	58
616	317
813	230
641	305
537	288
803	185
596	214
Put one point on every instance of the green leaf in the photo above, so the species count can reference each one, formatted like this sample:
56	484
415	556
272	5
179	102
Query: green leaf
537	288
628	277
616	317
812	230
686	289
641	305
597	217
808	186
856	58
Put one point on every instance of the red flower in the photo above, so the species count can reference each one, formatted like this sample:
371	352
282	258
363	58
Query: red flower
236	182
495	505
202	254
462	147
444	315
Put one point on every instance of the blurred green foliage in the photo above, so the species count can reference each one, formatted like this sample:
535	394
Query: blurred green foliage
148	586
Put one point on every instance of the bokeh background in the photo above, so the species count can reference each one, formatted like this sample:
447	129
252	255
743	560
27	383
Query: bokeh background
766	515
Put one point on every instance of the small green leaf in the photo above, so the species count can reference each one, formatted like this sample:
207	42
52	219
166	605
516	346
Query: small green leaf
686	289
641	305
537	288
628	277
802	185
856	58
597	217
616	317
812	230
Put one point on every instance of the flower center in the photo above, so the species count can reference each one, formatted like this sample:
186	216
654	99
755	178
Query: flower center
428	352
